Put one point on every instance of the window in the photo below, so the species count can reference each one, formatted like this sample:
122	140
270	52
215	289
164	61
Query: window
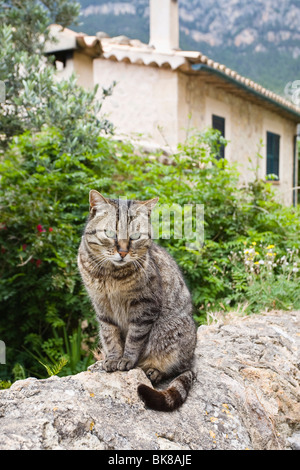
218	123
273	141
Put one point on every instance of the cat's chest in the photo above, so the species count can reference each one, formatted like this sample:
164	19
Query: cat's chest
119	310
116	303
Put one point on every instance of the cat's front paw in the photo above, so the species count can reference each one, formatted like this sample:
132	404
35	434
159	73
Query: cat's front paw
125	364
110	365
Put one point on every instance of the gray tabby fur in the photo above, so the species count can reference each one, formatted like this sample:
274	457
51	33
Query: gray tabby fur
141	301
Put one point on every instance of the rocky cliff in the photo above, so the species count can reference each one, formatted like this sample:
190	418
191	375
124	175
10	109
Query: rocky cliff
245	396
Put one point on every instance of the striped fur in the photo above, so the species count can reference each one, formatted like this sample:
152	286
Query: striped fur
140	298
171	398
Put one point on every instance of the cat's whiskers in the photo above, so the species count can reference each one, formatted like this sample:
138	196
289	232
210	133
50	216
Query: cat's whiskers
138	263
97	267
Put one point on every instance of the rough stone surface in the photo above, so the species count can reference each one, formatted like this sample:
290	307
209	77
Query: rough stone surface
245	396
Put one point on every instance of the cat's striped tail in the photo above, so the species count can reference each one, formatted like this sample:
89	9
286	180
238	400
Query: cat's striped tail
171	398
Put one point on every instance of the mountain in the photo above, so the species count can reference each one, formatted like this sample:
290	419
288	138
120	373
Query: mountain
259	39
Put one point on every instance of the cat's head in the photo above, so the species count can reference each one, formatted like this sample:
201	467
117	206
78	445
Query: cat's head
118	231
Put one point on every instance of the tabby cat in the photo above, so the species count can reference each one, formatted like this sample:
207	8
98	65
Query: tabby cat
140	298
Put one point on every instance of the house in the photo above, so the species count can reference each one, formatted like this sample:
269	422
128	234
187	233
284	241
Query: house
162	91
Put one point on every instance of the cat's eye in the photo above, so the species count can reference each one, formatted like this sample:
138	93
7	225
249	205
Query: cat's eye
135	236
110	234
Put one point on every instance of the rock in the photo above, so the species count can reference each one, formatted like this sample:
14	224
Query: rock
245	396
102	35
124	40
294	440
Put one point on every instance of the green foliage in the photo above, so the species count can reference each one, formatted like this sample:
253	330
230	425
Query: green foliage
298	176
34	96
264	279
64	353
5	384
18	373
30	20
56	368
43	198
45	173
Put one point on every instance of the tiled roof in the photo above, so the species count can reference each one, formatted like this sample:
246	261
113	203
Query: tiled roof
123	49
66	39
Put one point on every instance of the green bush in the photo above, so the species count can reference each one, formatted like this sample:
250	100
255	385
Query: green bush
43	198
46	318
28	76
45	173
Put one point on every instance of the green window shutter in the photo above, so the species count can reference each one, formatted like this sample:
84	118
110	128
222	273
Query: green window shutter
273	143
218	123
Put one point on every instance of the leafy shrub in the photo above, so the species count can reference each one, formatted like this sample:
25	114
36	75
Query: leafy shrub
45	173
30	82
262	279
43	198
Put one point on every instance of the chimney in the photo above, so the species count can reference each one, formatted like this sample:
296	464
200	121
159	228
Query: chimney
164	24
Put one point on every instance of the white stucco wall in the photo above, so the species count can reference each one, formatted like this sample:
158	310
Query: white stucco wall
83	64
144	100
80	64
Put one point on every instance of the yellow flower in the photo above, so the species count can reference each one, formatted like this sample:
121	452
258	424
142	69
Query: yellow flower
246	251
270	247
253	243
256	262
256	253
269	254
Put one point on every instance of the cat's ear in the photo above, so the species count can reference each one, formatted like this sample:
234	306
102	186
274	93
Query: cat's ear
96	199
151	203
148	205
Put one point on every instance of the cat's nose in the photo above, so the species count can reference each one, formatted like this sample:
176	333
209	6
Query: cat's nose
123	253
